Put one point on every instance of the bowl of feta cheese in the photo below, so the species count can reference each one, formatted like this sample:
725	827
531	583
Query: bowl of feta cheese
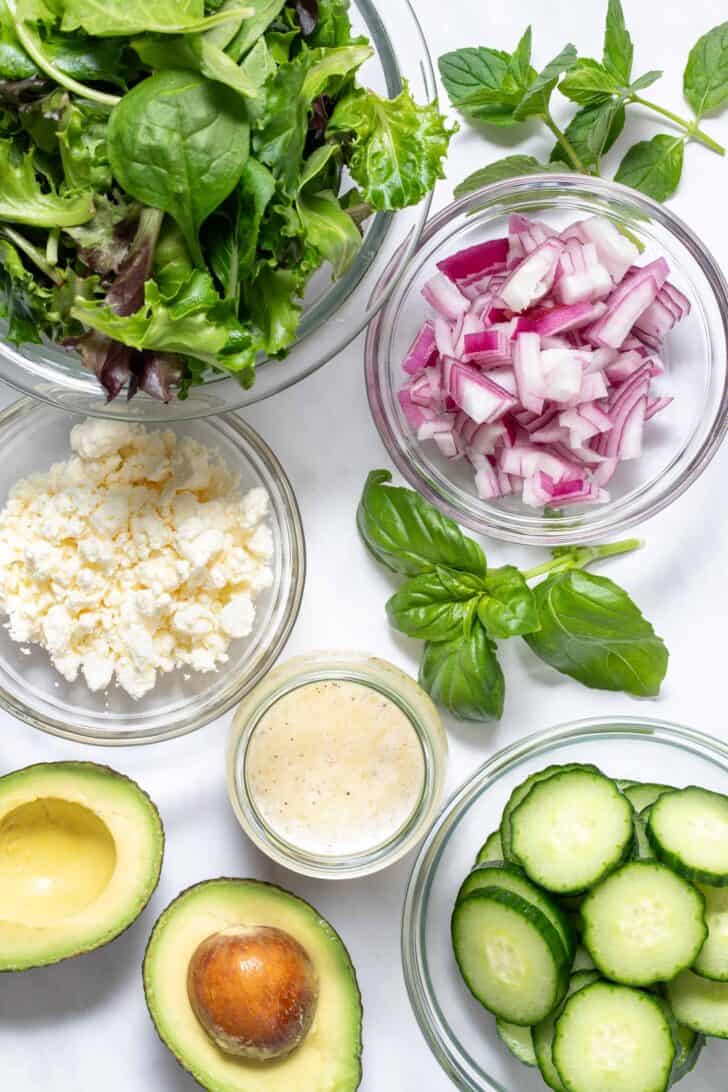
149	577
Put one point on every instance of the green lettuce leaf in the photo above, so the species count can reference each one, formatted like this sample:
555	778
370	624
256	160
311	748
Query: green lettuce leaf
118	18
22	201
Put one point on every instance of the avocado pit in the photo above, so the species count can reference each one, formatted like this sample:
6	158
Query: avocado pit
254	990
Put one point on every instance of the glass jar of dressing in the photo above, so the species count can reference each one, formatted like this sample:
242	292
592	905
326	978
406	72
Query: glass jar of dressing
336	764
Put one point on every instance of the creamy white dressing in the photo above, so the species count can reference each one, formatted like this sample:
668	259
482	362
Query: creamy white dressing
335	768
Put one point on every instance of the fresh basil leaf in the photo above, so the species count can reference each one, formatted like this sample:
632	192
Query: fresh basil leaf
589	83
487	84
196	53
646	81
508	608
618	48
24	201
179	142
592	631
398	146
119	18
432	606
705	82
536	99
513	166
463	675
653	166
592	132
410	536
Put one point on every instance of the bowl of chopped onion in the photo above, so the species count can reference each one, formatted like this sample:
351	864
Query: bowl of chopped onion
553	363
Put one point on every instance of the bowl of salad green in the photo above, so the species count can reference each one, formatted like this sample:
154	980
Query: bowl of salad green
198	199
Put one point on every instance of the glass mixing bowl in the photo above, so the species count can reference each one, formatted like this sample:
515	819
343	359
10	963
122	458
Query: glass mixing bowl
679	443
460	1033
32	437
334	312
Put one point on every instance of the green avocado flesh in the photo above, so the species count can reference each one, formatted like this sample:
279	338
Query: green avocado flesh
80	854
328	1059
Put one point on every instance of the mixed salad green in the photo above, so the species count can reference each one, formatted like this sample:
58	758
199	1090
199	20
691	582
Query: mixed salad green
172	172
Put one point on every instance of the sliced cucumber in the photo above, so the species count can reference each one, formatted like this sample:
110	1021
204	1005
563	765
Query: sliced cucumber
613	1039
509	954
700	1004
491	849
643	924
641	795
521	792
713	959
689	1047
689	831
572	830
512	878
543	1033
518	1040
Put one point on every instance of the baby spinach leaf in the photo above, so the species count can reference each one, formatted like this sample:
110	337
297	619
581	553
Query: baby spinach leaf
592	132
618	48
24	302
256	190
654	166
488	84
119	18
197	53
22	201
592	631
508	608
410	536
706	75
432	606
464	676
328	228
237	37
536	99
398	147
513	166
179	142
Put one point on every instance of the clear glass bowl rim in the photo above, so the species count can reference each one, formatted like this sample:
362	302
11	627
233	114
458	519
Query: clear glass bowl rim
393	683
447	1052
236	688
591	527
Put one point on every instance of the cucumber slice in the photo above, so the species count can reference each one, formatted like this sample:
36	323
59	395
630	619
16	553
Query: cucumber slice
491	849
689	831
572	830
543	1033
509	954
614	1039
521	792
700	1004
713	959
510	877
689	1047
643	924
518	1040
641	795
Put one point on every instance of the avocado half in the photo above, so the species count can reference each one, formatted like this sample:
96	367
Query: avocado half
328	1059
81	850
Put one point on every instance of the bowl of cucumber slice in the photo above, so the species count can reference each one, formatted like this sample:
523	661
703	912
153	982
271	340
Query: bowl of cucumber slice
566	921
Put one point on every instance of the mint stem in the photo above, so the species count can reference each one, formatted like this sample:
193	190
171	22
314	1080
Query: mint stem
584	555
565	143
690	127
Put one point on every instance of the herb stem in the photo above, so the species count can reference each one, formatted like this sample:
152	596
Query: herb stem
690	127
581	556
565	143
36	256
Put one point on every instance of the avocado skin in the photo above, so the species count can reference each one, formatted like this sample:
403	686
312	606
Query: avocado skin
74	766
273	887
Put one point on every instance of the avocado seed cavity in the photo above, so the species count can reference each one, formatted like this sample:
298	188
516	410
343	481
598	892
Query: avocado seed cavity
254	990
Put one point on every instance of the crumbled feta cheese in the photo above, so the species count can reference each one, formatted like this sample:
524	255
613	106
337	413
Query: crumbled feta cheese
135	557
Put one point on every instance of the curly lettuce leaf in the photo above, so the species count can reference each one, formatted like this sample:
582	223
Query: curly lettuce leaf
22	201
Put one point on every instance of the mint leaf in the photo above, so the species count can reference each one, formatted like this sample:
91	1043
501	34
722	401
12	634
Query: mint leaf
592	132
706	75
488	84
513	166
537	97
618	48
589	83
647	80
464	676
653	166
433	605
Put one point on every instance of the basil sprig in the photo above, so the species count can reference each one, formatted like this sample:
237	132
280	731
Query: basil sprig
585	626
500	88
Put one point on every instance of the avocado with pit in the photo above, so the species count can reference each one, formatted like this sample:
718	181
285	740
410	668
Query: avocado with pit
218	921
81	850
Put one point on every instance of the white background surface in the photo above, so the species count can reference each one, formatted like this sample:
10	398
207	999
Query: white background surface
82	1026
